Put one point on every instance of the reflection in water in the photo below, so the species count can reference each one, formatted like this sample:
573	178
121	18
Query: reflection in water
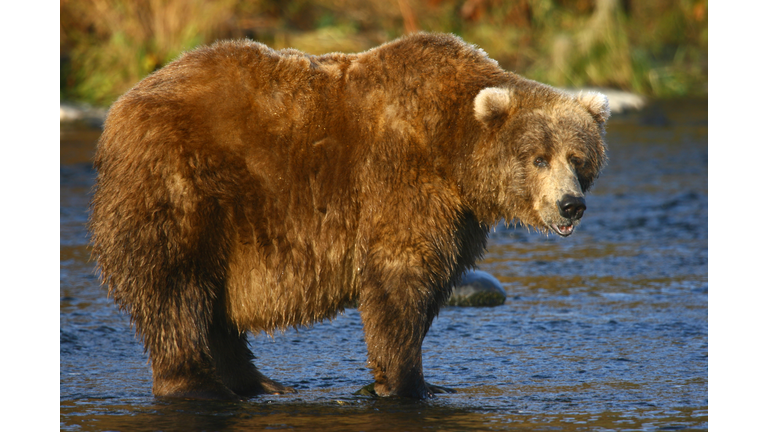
365	415
604	330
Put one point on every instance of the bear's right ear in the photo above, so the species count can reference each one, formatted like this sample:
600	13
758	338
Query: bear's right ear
493	104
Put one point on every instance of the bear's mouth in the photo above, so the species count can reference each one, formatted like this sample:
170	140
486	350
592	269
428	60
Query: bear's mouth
563	230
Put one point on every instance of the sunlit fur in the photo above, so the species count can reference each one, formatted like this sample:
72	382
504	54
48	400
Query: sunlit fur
245	189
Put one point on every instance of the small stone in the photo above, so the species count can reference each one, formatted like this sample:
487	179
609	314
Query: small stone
69	113
618	100
478	288
74	113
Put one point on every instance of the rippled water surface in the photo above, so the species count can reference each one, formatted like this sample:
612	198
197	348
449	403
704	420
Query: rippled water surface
604	330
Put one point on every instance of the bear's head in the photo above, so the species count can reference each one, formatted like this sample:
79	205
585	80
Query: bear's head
539	152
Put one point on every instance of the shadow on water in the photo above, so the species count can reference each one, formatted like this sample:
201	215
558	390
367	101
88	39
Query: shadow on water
604	330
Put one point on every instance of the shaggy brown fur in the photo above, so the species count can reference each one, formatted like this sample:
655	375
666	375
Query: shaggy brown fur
245	189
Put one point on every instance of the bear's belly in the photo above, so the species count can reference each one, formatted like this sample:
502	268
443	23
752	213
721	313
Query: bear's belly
281	290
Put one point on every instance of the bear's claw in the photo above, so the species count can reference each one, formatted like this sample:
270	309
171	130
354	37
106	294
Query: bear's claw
440	390
433	390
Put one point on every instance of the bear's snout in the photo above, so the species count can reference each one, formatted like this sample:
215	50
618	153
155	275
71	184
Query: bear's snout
572	207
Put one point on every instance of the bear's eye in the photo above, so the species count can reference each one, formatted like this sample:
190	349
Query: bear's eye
577	162
540	162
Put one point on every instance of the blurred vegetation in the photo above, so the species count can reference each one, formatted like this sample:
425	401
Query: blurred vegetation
652	47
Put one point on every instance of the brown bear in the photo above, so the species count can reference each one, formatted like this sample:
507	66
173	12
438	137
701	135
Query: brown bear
245	189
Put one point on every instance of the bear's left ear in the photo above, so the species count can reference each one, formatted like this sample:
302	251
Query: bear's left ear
596	104
493	104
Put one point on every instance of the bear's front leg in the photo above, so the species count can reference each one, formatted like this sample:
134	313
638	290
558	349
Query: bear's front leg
396	316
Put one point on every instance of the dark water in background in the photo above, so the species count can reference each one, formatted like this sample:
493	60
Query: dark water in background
604	330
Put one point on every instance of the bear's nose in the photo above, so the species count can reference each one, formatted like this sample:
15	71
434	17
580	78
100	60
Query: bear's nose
572	207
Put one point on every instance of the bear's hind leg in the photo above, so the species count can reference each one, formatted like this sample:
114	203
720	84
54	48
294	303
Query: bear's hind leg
182	365
175	324
232	358
193	380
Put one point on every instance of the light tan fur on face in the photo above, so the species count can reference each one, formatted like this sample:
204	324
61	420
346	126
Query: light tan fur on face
555	182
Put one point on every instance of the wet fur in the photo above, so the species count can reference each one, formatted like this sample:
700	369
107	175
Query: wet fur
245	189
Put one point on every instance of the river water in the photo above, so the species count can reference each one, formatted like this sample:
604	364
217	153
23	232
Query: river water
604	330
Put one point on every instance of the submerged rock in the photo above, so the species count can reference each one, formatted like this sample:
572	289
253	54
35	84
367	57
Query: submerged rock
478	288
